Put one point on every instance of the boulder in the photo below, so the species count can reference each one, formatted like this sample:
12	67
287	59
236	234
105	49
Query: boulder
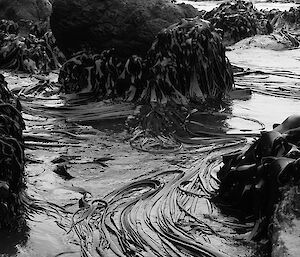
129	26
33	10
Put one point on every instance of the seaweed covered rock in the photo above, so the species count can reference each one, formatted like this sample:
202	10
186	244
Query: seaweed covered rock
237	20
252	177
17	10
11	158
129	26
185	66
288	20
185	63
32	53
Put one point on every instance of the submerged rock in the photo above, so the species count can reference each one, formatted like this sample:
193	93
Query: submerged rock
129	26
33	10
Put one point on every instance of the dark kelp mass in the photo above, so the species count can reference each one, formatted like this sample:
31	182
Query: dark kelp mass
11	158
185	63
251	178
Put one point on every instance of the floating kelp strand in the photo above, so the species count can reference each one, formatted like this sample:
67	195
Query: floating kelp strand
271	91
77	113
49	144
287	74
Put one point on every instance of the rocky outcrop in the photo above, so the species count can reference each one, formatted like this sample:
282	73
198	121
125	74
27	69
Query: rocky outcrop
33	10
129	26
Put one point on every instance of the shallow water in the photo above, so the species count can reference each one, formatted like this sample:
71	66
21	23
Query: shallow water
48	234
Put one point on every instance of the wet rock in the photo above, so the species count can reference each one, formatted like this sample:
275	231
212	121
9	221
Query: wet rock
33	10
129	26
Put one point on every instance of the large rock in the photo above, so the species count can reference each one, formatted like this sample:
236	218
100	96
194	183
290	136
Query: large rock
33	10
129	26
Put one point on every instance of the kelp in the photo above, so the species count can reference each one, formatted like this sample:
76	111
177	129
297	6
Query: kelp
33	53
251	178
185	63
165	213
11	158
237	20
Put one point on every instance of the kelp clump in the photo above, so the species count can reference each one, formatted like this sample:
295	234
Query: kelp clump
31	53
251	179
186	62
237	20
11	158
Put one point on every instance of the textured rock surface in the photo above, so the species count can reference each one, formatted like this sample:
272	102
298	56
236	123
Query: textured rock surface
33	10
130	26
